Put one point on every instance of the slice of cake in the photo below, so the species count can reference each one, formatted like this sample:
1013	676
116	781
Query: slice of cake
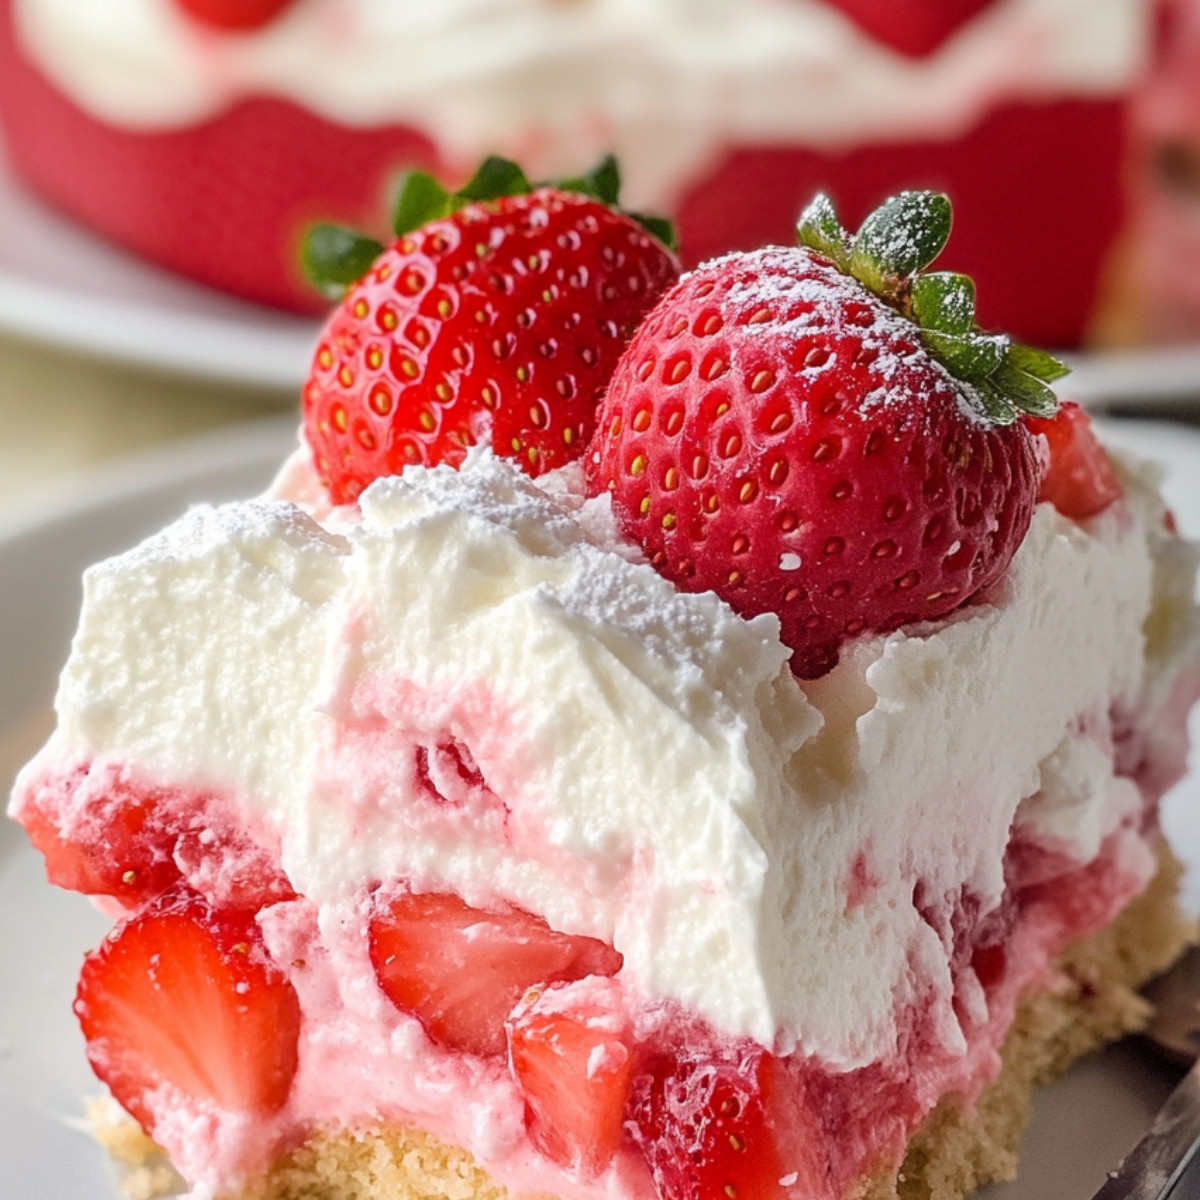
231	126
497	828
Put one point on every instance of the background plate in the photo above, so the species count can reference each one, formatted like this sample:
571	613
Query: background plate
1082	1124
63	285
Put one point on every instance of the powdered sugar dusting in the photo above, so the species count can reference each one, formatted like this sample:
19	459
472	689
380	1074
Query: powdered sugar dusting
807	295
486	489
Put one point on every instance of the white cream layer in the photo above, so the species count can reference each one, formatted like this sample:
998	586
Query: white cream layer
655	776
667	84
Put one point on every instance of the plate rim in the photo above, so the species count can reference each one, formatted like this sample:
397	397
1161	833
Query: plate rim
126	476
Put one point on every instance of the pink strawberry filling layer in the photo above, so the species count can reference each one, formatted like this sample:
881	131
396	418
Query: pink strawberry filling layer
362	1059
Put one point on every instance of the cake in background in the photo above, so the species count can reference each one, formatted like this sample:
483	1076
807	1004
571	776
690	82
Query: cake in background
205	134
1163	279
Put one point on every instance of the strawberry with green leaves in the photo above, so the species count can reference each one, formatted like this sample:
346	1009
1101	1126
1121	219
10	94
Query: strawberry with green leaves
822	432
496	316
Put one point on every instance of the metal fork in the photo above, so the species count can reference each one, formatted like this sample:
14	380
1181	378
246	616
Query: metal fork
1155	1168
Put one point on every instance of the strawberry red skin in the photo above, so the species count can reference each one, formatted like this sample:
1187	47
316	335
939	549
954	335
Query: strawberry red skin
122	852
184	994
234	15
571	1051
914	27
778	435
726	1124
461	971
103	833
503	320
1079	479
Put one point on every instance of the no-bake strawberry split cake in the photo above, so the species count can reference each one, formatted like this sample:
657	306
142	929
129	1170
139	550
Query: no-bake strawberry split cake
660	739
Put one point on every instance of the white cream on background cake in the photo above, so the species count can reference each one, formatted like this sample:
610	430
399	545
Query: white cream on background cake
557	84
462	846
727	115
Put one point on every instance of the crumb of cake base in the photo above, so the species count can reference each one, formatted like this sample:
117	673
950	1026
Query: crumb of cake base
309	119
479	835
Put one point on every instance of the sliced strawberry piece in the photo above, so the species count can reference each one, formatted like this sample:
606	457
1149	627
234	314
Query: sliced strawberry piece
914	27
571	1050
726	1124
1079	479
117	851
234	15
105	834
461	970
185	995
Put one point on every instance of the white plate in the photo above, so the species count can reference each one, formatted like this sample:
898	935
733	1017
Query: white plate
1082	1125
61	284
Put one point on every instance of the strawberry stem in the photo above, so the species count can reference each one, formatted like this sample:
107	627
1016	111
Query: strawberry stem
333	257
888	256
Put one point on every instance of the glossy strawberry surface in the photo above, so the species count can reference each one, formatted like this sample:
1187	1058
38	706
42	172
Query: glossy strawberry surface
501	322
184	994
779	435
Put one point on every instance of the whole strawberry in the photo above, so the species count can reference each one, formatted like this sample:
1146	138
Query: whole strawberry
822	433
498	315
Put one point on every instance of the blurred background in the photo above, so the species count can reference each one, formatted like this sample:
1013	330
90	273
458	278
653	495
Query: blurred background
160	160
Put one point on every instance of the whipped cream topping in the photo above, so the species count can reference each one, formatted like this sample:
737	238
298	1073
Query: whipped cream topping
667	84
470	690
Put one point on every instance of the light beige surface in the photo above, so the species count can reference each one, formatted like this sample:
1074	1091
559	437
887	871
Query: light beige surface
61	413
